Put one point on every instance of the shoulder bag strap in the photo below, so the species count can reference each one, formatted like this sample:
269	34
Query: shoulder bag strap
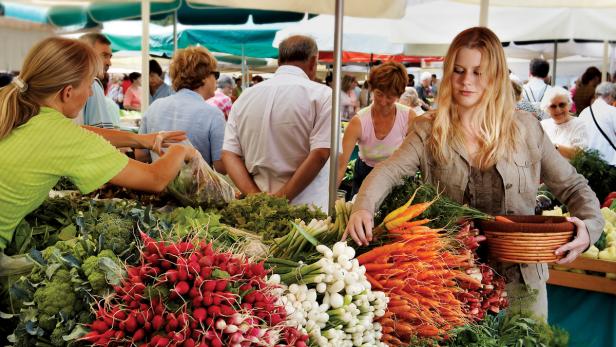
601	130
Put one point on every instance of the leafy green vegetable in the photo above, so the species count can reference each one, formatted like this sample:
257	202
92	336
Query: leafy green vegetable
267	215
600	175
518	330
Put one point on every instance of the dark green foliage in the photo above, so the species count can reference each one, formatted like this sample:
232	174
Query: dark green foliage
600	175
267	215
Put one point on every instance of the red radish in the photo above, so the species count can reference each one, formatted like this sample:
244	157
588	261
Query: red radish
99	326
221	285
189	343
157	322
200	314
138	335
131	323
182	287
182	274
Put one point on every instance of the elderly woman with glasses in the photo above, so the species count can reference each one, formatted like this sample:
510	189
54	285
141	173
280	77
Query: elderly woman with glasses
567	132
193	74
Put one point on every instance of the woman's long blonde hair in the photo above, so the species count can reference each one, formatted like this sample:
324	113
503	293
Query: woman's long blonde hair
494	116
51	65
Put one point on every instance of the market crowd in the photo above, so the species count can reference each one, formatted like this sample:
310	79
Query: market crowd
484	136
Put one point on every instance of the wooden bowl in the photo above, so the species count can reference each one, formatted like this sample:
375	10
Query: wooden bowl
527	239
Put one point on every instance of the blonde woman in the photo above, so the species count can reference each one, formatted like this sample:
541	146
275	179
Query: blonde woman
380	128
483	153
567	133
39	142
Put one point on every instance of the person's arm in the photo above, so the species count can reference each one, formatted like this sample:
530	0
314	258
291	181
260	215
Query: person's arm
567	151
154	177
349	140
120	138
217	137
379	182
128	99
305	173
572	189
239	174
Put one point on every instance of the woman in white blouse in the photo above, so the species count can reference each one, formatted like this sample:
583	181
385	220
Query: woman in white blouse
567	132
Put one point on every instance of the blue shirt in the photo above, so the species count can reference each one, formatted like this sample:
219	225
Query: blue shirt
186	110
163	91
96	112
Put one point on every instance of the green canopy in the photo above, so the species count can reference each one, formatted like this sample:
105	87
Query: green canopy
86	16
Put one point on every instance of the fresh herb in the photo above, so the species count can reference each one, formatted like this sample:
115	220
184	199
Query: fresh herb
267	215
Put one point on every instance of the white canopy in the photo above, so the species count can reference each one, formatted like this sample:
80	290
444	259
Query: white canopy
438	22
365	35
358	8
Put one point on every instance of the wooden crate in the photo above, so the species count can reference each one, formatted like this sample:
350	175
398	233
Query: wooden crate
586	281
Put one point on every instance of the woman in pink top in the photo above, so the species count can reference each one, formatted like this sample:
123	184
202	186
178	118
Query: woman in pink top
380	128
132	98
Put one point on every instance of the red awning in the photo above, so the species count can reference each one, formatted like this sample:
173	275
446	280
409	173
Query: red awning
355	57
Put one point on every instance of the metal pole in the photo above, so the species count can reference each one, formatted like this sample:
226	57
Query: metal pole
554	63
483	13
604	70
244	77
335	140
145	54
175	31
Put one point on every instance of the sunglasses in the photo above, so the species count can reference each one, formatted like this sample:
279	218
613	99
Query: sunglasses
215	73
560	105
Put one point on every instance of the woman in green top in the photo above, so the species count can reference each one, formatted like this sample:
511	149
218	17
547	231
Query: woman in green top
39	142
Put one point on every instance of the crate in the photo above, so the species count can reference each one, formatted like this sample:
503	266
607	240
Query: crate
586	281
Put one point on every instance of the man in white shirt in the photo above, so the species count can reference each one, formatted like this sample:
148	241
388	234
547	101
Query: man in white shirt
536	87
605	116
277	137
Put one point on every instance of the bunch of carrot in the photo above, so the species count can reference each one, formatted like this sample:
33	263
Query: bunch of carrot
419	273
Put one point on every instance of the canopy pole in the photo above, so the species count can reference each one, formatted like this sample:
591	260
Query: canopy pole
244	77
175	31
554	63
335	139
145	54
483	13
604	69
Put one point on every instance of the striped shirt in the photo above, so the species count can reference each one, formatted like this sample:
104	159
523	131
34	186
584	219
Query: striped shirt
36	154
221	101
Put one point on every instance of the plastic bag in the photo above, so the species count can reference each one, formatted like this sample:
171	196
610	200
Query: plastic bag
198	184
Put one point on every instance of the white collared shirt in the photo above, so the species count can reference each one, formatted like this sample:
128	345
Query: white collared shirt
533	92
605	115
275	124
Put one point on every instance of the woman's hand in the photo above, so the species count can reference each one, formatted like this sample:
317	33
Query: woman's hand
360	227
162	139
578	245
190	152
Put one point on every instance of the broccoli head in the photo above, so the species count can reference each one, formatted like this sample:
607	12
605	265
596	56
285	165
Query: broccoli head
96	275
56	335
116	232
57	295
47	322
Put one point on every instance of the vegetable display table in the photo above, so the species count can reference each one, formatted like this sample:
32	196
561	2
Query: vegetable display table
589	317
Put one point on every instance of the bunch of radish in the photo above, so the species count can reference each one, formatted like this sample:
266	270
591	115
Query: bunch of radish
331	298
483	289
187	295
